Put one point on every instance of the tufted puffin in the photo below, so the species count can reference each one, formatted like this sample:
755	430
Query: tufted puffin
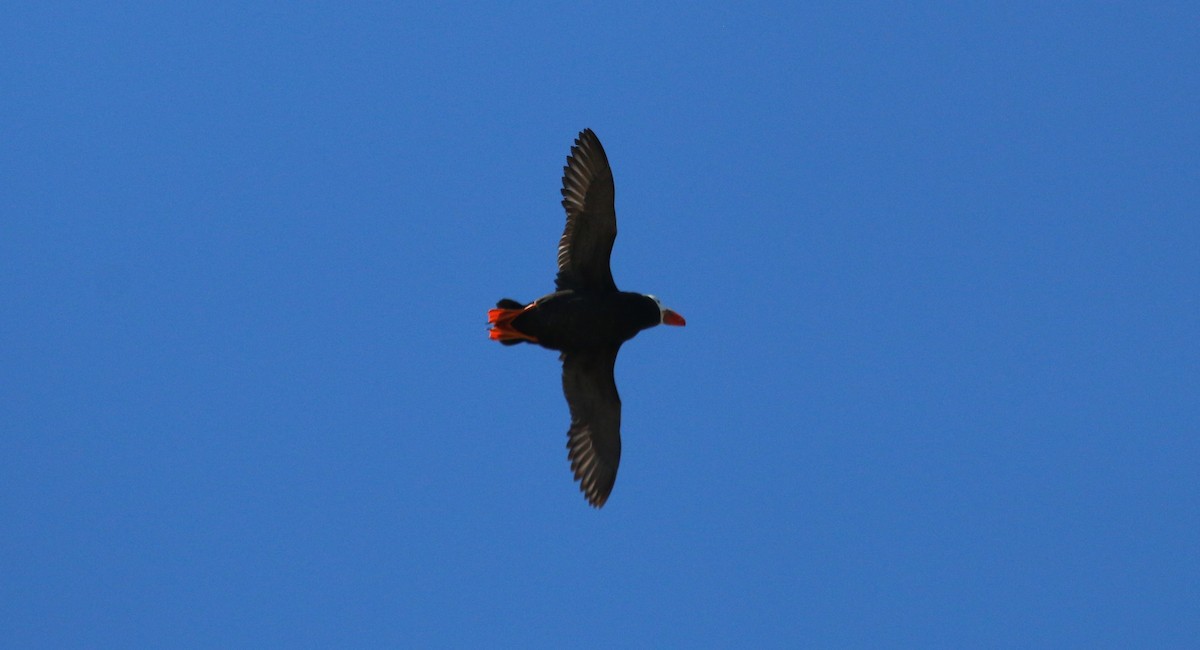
586	319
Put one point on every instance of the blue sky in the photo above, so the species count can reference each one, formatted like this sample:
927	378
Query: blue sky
938	388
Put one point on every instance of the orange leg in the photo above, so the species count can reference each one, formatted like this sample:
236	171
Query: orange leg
502	327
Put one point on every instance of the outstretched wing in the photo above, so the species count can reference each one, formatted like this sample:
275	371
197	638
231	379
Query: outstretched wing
594	440
587	241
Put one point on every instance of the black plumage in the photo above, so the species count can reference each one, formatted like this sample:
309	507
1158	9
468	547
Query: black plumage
586	319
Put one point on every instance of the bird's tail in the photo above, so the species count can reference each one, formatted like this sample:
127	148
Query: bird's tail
501	319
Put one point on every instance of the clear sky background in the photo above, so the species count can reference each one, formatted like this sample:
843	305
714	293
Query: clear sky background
939	387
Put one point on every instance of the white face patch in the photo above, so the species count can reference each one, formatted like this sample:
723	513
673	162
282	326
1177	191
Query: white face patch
662	311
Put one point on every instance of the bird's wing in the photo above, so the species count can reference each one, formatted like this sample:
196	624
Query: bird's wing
587	241
594	440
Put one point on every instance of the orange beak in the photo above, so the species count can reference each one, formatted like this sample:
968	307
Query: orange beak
671	318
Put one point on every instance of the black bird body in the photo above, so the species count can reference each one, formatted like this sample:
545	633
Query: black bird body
580	320
586	319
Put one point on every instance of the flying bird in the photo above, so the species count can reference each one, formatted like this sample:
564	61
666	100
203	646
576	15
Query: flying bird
586	319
